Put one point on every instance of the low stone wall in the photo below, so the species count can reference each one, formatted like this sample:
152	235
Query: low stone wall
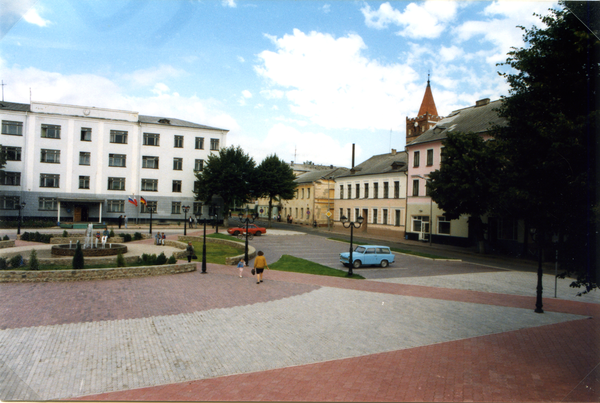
8	276
7	244
230	260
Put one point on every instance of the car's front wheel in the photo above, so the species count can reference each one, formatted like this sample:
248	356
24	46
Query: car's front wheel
357	264
257	233
384	263
236	233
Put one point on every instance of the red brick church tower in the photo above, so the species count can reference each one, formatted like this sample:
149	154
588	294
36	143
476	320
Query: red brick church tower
426	119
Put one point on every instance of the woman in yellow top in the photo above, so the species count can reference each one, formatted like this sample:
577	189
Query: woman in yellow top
260	262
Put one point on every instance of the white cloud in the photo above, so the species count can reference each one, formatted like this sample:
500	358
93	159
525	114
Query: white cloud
246	94
97	91
32	17
326	8
502	30
272	94
291	144
328	81
229	3
149	76
451	53
419	20
241	59
160	88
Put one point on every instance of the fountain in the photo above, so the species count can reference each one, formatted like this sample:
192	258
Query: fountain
112	249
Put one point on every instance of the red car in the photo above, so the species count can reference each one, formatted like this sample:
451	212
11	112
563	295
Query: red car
252	229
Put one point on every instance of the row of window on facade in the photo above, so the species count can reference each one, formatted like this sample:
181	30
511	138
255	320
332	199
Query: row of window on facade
53	181
116	136
366	190
112	206
114	160
417	158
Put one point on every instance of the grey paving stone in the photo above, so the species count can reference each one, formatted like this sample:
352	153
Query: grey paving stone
322	325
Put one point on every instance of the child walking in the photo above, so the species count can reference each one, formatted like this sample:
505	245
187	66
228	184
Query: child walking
240	266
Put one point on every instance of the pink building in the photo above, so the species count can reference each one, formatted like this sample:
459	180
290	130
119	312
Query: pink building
425	220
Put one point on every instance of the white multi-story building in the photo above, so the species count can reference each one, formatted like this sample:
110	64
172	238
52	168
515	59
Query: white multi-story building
80	163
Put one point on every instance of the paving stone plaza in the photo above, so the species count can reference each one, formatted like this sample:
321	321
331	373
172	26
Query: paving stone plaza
421	330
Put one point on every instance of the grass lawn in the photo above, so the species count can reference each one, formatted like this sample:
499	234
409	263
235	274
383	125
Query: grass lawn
297	265
215	252
405	251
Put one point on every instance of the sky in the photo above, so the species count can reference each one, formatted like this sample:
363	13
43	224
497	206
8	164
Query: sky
301	79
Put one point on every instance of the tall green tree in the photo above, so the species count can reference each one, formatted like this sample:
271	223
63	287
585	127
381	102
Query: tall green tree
467	182
275	180
549	142
229	174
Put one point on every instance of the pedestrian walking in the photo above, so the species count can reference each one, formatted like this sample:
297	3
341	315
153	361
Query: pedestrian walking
240	266
120	221
125	221
190	252
260	263
191	220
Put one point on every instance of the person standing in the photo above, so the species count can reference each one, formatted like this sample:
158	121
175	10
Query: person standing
260	263
120	220
241	266
190	252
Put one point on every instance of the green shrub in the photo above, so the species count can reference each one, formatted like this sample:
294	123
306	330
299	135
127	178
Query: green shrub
111	233
78	261
36	237
34	263
16	261
137	236
149	260
3	263
65	234
126	237
172	260
6	238
120	260
161	259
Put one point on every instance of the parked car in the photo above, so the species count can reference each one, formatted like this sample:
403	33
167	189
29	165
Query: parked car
364	255
252	229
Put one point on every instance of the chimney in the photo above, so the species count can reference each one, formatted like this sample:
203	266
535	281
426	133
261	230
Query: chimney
352	169
393	151
482	102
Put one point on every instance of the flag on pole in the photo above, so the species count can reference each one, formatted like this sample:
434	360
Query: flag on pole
132	200
142	200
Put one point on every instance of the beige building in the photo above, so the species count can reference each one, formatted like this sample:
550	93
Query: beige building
315	197
376	191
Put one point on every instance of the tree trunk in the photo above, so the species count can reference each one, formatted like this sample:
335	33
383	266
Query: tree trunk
270	211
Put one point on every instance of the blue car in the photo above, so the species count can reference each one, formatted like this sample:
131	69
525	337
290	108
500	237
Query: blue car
364	255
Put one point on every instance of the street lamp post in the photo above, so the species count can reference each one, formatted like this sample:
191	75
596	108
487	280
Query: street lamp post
204	249
247	220
216	211
151	210
185	211
349	224
21	207
540	272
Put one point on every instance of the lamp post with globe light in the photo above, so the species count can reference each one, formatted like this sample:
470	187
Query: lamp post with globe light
248	219
350	224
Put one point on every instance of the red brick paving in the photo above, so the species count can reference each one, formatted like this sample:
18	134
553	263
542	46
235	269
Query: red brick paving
549	363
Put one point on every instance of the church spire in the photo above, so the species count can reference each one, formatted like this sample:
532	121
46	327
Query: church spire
426	118
428	104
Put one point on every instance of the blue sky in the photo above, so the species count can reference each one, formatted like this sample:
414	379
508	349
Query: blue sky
302	79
